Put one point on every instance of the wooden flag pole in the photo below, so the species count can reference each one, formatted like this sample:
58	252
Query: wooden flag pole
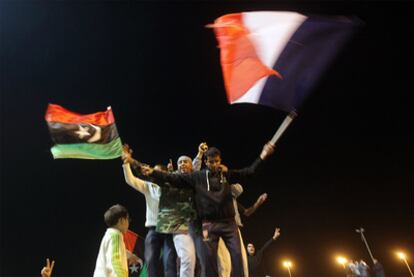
283	127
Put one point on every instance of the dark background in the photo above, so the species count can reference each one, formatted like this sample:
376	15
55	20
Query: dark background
345	162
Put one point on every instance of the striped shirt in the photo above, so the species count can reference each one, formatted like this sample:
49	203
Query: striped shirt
112	257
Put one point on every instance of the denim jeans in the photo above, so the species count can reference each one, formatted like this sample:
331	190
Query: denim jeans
207	247
154	242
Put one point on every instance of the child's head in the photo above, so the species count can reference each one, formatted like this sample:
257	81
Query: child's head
117	217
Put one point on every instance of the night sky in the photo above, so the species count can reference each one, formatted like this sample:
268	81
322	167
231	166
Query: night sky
345	162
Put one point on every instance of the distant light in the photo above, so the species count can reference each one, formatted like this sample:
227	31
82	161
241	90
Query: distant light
401	255
287	264
341	260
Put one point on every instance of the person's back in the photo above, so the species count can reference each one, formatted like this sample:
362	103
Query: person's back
112	257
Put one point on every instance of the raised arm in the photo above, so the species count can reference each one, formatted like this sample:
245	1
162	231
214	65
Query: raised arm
133	181
249	211
198	160
268	243
238	174
177	180
130	179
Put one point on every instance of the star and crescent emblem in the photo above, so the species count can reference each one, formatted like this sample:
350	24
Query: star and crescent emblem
84	132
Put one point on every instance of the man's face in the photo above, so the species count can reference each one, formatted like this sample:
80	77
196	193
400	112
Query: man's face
213	163
184	165
250	249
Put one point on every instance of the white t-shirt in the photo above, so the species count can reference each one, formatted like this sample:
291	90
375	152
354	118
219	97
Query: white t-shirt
151	191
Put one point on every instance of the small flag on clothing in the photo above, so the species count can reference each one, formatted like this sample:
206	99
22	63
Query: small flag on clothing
83	136
276	58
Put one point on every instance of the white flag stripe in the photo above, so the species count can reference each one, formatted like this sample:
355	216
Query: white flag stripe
269	33
253	94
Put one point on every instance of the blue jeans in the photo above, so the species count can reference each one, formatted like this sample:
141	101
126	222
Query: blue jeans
154	242
207	248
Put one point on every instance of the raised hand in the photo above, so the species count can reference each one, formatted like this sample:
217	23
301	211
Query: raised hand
276	234
47	269
262	198
223	168
202	148
126	153
268	149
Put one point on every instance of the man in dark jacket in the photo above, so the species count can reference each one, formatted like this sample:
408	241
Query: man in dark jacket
254	258
214	204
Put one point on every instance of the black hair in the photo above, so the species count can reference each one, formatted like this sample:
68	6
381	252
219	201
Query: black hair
114	214
212	152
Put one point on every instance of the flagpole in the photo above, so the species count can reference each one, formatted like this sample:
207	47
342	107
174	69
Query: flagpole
361	231
283	127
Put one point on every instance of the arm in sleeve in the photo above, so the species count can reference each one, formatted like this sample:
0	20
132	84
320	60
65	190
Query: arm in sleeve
176	180
259	253
115	255
133	181
197	163
249	211
235	175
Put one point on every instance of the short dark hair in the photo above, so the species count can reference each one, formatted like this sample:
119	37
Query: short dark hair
212	152
114	213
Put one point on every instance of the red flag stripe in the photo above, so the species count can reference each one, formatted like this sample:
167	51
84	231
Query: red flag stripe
241	65
56	113
130	239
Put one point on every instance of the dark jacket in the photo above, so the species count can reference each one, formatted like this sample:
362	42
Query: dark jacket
255	260
213	196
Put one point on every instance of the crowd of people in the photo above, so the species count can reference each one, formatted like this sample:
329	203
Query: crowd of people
361	269
193	214
193	220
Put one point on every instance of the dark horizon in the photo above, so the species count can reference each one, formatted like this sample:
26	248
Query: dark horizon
344	163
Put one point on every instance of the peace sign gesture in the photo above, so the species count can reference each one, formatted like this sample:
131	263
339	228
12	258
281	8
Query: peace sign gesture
47	270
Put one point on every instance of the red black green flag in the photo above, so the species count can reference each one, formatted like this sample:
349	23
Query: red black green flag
83	136
135	244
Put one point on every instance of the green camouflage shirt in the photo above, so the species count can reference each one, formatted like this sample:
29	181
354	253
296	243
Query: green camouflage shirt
175	210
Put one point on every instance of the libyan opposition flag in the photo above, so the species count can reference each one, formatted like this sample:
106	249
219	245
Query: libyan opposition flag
130	239
83	136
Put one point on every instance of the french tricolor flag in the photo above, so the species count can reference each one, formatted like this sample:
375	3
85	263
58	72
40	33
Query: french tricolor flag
276	58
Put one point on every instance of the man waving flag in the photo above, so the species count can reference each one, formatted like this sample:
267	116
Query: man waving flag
88	136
